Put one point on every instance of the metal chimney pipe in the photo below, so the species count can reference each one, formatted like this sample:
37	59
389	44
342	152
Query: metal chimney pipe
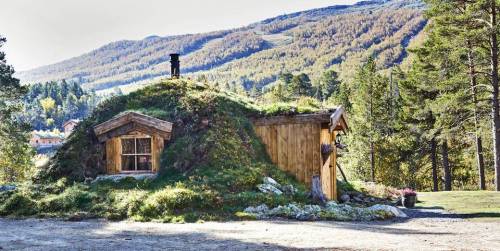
175	65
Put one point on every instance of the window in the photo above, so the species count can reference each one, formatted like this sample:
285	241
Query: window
136	154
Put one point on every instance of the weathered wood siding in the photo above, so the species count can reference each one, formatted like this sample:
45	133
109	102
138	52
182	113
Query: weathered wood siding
296	148
113	155
329	169
158	144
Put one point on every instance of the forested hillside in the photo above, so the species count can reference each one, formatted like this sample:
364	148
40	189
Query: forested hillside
309	42
49	105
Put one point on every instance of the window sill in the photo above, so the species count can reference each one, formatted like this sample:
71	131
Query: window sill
135	172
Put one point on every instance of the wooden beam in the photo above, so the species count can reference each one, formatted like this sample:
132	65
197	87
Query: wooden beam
130	127
129	117
338	120
293	119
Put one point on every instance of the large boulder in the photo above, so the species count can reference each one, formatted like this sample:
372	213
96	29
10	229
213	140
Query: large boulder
271	181
396	212
345	198
267	188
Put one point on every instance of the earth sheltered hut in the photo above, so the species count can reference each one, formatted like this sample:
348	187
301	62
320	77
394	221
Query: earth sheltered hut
305	145
133	142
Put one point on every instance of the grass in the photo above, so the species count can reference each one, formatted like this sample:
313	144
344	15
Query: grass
476	205
207	172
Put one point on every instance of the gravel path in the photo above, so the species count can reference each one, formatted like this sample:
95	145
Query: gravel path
426	230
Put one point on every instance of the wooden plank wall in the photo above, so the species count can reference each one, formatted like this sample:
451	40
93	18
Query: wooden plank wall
113	155
158	144
328	170
295	148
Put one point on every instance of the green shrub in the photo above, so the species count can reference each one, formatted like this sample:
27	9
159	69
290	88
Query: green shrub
18	204
128	203
169	199
74	198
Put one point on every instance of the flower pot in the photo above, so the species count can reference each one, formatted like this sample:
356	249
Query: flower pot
409	201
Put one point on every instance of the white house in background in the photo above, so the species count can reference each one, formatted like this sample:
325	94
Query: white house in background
69	126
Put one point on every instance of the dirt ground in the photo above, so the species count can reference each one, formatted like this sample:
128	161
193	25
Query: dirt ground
426	230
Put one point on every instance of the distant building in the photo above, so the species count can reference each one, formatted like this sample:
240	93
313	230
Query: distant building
46	139
69	126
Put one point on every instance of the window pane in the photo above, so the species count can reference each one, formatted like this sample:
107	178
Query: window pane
144	163
128	146
128	163
144	145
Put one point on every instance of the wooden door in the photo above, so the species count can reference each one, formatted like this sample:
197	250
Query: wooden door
327	173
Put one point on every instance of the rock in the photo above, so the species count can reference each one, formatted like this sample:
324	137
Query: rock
372	199
288	189
345	198
261	209
267	188
354	193
289	211
398	202
119	177
358	199
310	212
394	211
332	210
7	188
88	181
331	203
271	181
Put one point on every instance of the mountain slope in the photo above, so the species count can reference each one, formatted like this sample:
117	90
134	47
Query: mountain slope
308	41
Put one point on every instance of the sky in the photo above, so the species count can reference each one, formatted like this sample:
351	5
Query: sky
41	32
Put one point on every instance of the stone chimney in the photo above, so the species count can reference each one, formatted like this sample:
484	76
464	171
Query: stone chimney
175	70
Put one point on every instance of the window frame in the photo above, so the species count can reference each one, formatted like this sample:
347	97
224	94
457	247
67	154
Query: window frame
136	154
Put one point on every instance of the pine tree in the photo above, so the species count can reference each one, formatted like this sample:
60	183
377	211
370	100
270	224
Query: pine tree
300	85
471	25
329	84
370	116
15	153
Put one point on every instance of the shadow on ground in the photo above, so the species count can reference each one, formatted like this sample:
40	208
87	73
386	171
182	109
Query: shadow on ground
95	235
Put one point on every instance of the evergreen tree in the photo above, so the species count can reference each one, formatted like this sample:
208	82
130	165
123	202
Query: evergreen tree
329	84
467	28
15	153
370	116
300	85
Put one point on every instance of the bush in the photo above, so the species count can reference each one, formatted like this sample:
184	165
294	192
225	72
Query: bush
128	203
18	204
74	198
169	199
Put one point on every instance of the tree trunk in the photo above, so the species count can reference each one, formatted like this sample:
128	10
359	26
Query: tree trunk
446	166
435	184
494	97
372	160
317	191
478	139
